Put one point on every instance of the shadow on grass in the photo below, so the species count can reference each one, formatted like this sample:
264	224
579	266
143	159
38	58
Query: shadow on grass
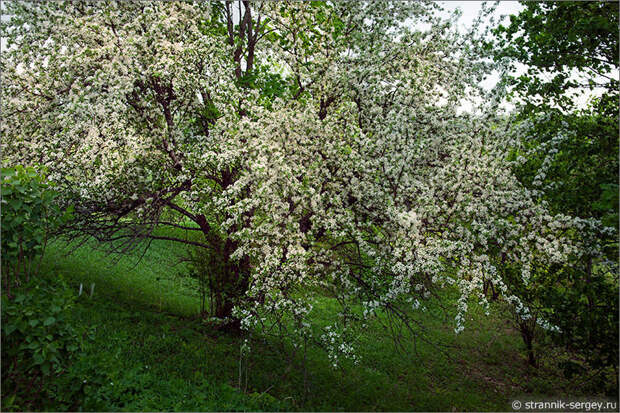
148	342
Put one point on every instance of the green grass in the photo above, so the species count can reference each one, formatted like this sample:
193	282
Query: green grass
149	351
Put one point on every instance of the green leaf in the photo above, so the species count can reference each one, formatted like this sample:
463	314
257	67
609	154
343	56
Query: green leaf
37	358
9	328
16	204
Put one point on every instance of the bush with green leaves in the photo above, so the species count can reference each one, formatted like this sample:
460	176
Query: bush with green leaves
29	215
575	305
38	343
590	294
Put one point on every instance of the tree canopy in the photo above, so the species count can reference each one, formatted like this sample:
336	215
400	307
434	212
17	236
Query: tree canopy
564	46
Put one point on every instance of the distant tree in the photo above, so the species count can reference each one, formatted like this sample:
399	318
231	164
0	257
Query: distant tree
570	158
564	45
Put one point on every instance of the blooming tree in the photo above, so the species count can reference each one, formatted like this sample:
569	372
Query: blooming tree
319	148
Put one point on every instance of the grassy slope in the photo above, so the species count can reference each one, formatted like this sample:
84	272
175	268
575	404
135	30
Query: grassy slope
150	352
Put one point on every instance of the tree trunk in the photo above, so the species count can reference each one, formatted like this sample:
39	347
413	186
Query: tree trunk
230	286
228	282
495	294
528	338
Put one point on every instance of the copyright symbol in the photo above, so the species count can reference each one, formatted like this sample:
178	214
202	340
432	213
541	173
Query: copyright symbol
516	405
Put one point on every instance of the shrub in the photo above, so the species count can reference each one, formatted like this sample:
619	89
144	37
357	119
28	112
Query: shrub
574	305
29	215
38	343
585	308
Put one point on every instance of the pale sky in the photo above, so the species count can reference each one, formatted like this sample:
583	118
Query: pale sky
470	9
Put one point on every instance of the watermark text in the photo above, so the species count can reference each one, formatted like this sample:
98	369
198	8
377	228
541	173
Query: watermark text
565	405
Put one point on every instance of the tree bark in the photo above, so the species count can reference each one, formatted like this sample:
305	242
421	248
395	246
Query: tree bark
527	334
229	281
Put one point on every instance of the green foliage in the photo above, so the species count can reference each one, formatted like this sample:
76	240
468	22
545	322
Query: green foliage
38	343
607	205
574	45
106	385
576	305
29	215
590	295
581	177
552	38
270	85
